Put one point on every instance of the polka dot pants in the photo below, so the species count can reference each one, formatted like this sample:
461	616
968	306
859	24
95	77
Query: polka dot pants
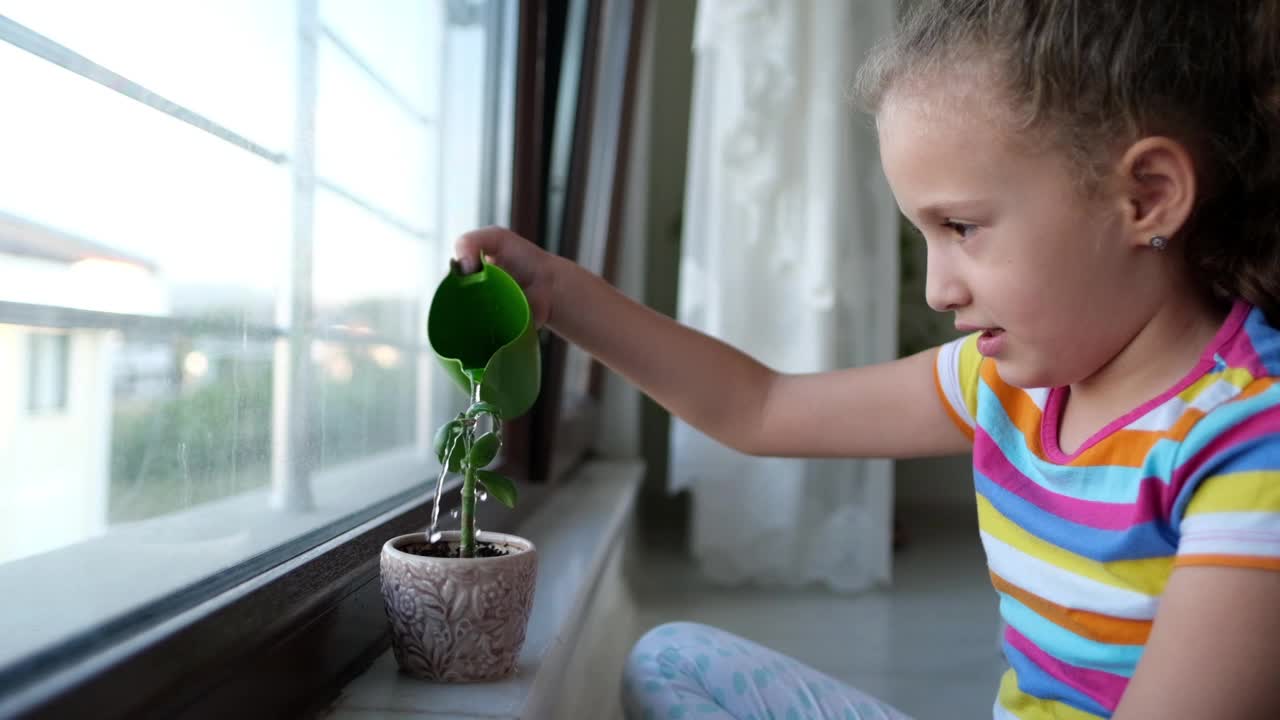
686	670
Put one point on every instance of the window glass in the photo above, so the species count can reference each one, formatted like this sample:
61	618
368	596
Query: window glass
368	143
226	60
369	276
113	206
364	398
211	325
399	40
190	421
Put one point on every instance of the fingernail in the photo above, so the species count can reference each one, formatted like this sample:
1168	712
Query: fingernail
469	265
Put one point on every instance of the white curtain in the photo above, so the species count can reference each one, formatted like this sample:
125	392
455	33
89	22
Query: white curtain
789	253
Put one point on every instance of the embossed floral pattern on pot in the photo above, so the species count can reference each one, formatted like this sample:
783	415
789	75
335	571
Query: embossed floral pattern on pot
455	619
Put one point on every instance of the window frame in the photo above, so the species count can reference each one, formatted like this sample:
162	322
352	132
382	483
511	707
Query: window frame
282	639
590	221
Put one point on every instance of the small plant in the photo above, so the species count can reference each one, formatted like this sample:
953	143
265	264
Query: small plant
464	445
481	330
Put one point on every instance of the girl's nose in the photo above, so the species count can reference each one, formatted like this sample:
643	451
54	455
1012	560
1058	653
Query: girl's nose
943	288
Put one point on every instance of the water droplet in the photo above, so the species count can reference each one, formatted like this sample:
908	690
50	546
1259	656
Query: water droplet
455	513
483	496
435	537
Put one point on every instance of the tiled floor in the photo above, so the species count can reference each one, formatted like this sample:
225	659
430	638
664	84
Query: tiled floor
927	645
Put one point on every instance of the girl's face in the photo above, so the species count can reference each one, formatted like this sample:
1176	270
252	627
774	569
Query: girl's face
1015	248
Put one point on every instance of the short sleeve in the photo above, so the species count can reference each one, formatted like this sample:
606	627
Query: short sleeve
1230	506
956	376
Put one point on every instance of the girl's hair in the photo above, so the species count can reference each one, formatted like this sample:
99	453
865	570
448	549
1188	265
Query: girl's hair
1093	76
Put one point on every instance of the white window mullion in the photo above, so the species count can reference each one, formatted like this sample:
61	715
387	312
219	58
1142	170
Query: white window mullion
291	458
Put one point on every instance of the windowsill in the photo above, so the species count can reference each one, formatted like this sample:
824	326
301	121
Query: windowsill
576	532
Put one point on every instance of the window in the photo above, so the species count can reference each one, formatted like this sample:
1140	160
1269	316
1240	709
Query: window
220	225
233	215
47	372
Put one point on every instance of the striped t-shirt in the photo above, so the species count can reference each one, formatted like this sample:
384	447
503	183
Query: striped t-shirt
1080	545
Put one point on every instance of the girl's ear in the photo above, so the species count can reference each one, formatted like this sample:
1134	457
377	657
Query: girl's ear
1159	182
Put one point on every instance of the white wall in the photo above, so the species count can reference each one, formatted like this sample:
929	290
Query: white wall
54	466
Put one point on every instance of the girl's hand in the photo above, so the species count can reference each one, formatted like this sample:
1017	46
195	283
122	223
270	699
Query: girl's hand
530	265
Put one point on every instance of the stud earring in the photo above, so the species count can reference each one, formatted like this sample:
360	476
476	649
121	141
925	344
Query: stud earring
1159	242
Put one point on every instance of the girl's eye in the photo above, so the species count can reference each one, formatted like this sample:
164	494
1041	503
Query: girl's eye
961	229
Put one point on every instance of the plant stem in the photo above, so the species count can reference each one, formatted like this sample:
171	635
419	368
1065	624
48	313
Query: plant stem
468	545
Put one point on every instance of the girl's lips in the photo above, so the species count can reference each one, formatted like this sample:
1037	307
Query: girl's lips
990	342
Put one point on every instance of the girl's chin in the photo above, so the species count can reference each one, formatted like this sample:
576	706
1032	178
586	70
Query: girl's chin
1021	375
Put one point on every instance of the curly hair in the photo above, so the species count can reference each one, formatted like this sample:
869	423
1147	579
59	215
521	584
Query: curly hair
1094	75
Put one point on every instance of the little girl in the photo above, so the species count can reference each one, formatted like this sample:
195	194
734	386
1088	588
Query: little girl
1097	183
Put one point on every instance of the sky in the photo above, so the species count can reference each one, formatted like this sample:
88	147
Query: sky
83	159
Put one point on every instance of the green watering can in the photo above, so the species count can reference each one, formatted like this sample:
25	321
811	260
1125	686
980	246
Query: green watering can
481	329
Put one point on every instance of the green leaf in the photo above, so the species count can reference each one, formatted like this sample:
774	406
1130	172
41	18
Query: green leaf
484	407
499	486
446	439
485	449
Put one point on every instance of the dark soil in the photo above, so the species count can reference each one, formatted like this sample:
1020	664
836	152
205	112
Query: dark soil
445	549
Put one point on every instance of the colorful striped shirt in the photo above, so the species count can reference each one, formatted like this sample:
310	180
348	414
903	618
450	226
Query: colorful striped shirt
1080	545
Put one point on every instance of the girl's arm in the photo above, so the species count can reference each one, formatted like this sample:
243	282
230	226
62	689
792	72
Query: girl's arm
1214	650
886	410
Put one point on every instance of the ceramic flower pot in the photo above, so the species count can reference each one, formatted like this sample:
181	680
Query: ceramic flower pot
458	619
